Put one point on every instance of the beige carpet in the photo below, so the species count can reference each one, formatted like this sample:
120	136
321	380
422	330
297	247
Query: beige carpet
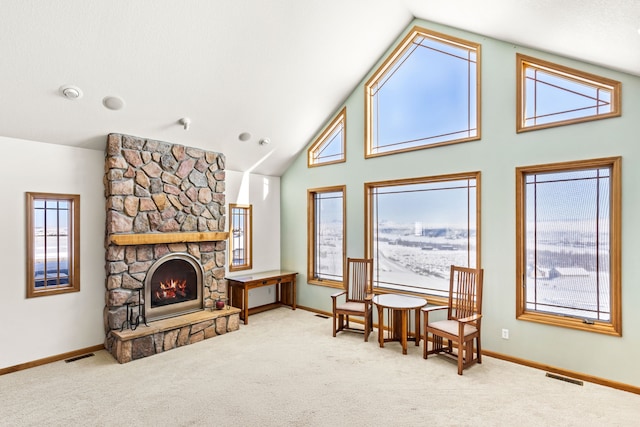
285	369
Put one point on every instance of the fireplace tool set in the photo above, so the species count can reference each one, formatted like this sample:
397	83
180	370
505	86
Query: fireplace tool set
133	320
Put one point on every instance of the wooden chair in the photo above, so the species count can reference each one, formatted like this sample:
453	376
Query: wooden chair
462	325
358	293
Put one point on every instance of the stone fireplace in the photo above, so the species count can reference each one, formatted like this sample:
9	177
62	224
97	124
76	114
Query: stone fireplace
165	246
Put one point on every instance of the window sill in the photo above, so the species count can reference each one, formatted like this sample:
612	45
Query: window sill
326	283
571	323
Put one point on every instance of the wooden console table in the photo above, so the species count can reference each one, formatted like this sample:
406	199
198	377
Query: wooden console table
284	281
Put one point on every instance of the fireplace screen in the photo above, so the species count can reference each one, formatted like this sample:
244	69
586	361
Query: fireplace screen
173	287
174	281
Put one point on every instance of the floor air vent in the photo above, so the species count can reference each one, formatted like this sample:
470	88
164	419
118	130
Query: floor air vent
322	316
73	359
565	379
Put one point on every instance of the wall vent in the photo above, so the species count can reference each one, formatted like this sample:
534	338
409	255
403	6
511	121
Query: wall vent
73	359
565	379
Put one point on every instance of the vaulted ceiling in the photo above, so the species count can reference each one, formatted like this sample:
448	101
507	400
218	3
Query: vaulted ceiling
275	69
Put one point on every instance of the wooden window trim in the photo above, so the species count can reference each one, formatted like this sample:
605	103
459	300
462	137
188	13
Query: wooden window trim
74	251
311	244
390	61
524	61
248	237
341	117
615	326
368	215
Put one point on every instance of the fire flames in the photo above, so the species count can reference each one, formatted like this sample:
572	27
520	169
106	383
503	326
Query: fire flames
171	289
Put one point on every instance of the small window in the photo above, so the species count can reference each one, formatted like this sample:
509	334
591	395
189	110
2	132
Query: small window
326	236
553	95
417	228
240	237
568	240
330	146
426	94
53	244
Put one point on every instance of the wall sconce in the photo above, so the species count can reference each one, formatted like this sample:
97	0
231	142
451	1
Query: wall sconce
185	122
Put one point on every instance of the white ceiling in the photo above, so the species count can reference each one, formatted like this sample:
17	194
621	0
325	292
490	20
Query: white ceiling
274	68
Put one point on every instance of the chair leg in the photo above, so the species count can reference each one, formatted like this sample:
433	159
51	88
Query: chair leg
425	337
425	344
465	352
334	324
478	350
367	325
338	323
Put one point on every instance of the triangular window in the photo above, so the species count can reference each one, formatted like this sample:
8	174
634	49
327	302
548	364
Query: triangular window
329	147
553	95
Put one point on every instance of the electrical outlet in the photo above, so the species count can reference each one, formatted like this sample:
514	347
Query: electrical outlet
505	334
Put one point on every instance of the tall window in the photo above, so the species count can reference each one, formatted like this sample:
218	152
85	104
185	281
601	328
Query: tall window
426	94
326	236
53	244
553	95
568	239
417	228
330	146
241	237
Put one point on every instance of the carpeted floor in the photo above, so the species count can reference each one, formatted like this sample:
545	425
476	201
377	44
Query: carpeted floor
285	369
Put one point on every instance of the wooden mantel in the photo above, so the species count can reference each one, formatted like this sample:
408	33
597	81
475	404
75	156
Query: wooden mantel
154	238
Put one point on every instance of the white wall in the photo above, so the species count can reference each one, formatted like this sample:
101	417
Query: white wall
40	327
496	155
48	326
263	193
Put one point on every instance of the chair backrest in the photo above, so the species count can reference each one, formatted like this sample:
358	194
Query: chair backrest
465	292
359	279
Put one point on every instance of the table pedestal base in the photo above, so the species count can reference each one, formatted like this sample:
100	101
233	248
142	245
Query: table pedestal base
398	327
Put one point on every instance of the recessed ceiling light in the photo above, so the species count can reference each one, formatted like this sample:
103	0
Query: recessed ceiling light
71	92
244	136
113	102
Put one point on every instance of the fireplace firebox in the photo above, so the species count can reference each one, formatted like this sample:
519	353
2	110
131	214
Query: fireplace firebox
173	287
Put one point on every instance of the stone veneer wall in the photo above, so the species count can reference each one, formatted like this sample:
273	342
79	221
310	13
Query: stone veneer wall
157	187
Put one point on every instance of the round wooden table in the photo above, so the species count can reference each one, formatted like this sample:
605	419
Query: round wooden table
398	307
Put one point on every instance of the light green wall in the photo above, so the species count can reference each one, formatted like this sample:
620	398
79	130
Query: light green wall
496	155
